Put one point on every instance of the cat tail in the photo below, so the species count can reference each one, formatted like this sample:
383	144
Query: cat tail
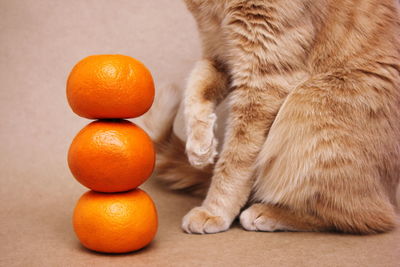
172	165
157	122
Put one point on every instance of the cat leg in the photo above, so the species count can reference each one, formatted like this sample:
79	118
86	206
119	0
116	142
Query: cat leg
251	112
262	57
207	85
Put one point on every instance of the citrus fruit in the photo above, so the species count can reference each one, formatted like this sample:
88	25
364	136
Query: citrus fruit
115	223
110	86
111	156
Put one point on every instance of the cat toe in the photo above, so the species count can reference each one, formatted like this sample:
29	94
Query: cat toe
200	154
201	221
256	218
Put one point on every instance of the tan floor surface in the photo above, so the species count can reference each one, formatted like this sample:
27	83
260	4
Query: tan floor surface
40	41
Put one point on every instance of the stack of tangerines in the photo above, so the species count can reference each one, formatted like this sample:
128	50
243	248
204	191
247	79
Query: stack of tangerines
112	156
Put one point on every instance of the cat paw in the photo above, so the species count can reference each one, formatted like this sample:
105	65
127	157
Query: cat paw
201	145
201	221
257	218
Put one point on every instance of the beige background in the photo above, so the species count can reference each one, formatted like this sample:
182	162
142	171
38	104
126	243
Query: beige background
40	41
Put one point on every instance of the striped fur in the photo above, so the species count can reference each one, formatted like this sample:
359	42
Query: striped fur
314	116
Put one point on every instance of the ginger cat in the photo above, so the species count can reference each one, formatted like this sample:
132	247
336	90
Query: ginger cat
312	142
